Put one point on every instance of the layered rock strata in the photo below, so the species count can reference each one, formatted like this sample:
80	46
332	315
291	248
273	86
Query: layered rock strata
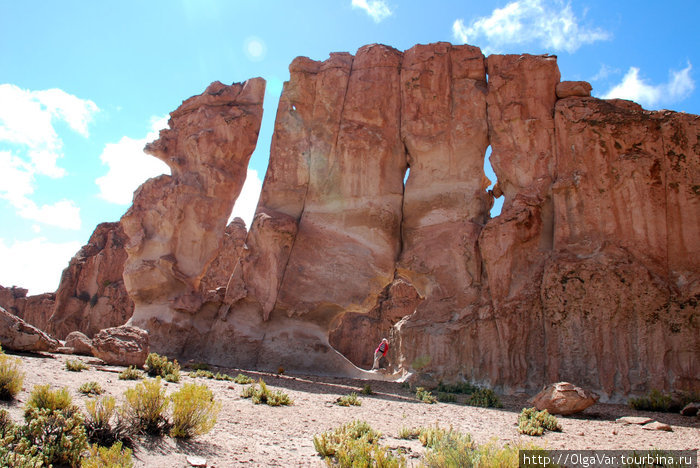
374	221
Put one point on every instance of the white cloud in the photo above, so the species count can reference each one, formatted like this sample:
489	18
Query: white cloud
551	23
129	166
635	88
32	147
247	201
377	9
603	72
35	264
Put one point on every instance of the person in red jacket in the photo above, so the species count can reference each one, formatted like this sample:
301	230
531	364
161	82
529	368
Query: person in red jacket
380	352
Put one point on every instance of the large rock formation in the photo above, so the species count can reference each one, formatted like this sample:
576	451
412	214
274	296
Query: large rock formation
18	335
176	224
374	221
35	309
91	295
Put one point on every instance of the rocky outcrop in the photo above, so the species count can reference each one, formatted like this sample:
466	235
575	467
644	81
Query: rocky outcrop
79	343
121	346
34	310
176	224
564	398
91	295
374	221
18	335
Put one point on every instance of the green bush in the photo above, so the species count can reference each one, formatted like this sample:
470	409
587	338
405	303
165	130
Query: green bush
199	366
116	456
367	390
226	377
462	387
201	373
534	423
145	407
194	411
76	365
443	397
355	444
664	402
425	396
58	438
157	365
243	379
42	397
131	373
484	397
104	425
430	436
11	377
264	395
409	433
91	388
450	449
348	400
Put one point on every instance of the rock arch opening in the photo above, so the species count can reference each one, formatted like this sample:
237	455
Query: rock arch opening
493	189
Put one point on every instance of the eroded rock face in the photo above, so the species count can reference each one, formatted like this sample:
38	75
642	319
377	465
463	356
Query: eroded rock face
91	295
176	224
34	310
374	220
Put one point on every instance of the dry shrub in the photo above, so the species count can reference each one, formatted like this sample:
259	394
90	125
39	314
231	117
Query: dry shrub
194	411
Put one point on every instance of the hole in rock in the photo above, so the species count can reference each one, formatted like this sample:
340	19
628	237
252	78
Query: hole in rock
488	171
356	335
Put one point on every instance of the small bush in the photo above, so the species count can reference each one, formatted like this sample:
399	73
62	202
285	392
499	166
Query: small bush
6	424
409	433
76	365
194	411
462	387
104	425
430	436
534	423
355	444
328	443
91	388
42	397
58	438
116	456
243	379
157	365
663	402
451	448
425	396
484	397
367	390
264	395
225	377
201	373
145	407
131	373
443	397
11	377
349	400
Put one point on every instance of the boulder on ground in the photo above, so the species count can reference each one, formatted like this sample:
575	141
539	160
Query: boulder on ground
564	398
18	335
573	88
122	346
633	420
657	426
80	343
691	409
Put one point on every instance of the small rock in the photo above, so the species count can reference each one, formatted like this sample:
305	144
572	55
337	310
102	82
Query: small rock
657	426
564	398
633	420
691	409
573	88
196	461
614	433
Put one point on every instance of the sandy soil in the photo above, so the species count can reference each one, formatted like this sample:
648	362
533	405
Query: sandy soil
259	435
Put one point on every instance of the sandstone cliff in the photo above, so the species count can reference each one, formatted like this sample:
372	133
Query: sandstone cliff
374	221
34	310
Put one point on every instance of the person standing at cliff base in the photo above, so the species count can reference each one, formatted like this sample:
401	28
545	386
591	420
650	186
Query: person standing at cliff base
380	352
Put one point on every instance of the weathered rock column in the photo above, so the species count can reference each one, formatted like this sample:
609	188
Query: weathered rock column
177	222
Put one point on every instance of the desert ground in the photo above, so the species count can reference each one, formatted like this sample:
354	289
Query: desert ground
260	435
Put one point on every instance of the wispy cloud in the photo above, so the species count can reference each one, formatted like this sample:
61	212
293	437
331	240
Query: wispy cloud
604	71
30	146
377	9
247	201
635	88
550	23
35	264
128	166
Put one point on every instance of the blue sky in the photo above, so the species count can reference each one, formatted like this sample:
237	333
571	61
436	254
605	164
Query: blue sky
85	84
